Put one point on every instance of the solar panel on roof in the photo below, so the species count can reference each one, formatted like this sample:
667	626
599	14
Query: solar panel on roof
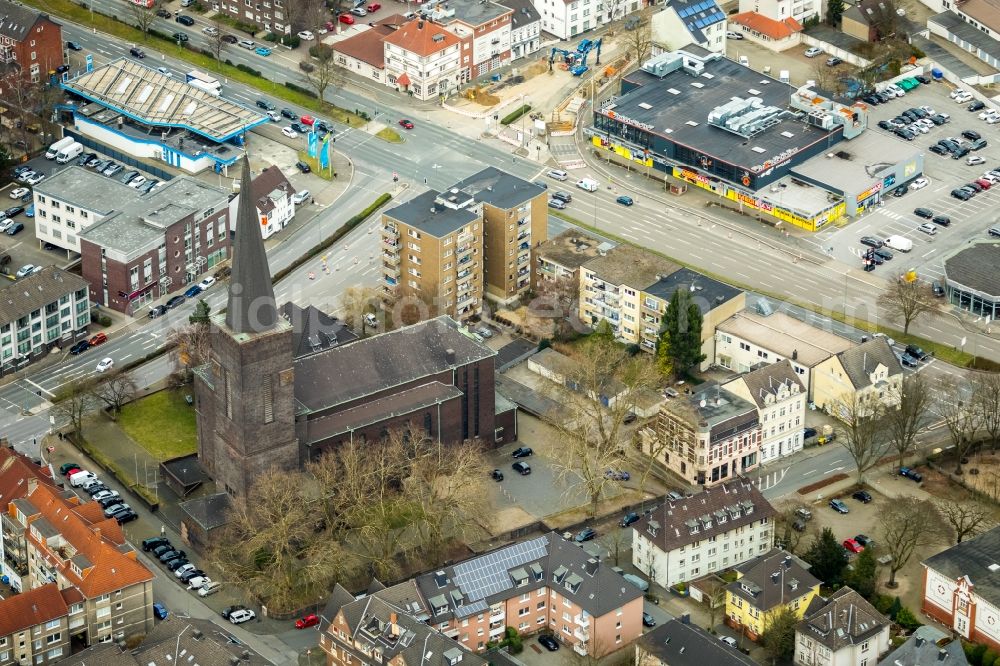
484	576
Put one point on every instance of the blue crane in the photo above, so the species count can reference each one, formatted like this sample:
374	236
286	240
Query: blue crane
568	56
582	51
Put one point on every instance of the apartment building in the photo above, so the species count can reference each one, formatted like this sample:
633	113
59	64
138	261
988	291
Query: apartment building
719	528
17	473
31	46
568	19
842	630
705	437
50	308
483	26
546	583
34	626
525	28
781	407
560	258
868	372
515	217
779	10
630	288
680	643
267	15
764	587
423	59
683	22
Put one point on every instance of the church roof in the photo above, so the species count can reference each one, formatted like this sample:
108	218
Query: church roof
251	307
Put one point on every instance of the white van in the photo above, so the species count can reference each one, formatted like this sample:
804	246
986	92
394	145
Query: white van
557	174
78	479
70	152
588	184
54	149
899	243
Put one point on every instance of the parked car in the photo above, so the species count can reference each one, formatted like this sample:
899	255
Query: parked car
174	302
911	474
192	291
813	51
925	213
197	581
66	468
229	610
862	496
730	641
548	642
871	241
522	468
586	534
157	311
310	620
629	518
160	611
522	452
917	352
209	588
496	475
303	167
191	574
838	506
865	540
852	546
241	616
647	620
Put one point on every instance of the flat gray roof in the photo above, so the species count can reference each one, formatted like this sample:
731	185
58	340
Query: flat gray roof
422	212
857	163
86	189
786	336
473	12
804	198
976	267
150	97
498	188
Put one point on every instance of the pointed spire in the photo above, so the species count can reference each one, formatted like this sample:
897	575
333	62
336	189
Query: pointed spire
251	308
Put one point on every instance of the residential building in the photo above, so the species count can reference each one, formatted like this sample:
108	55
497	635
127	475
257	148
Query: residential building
680	643
705	437
716	529
515	217
18	472
269	15
560	258
972	25
69	202
543	584
679	23
364	53
566	20
870	371
525	28
43	310
484	26
860	20
781	407
273	196
779	10
775	34
34	626
842	630
31	46
72	544
766	586
630	288
763	336
962	589
266	400
424	59
929	646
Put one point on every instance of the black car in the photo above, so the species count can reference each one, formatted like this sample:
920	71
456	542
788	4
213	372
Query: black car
809	433
496	475
15	229
971	135
14	210
884	254
154	542
162	548
179	37
871	241
942	220
975	187
264	104
917	352
960	152
522	468
586	534
229	39
73	46
923	79
908	361
126	516
298	128
174	302
647	620
522	452
136	52
629	518
163	13
900	191
978	144
904	134
83	159
110	501
865	540
884	124
937	289
876	260
938	150
288	113
322	126
565	197
548	642
862	496
174	565
185	20
303	167
231	609
171	554
938	119
925	213
948	145
188	575
976	106
157	310
96	488
961	195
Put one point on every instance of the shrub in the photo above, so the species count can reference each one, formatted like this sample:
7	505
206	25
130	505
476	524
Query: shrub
271	37
105	321
247	69
291	41
882	603
300	89
989	658
906	619
974	653
515	114
320	52
632	350
545	343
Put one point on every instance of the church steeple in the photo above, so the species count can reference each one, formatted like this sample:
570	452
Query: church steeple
251	307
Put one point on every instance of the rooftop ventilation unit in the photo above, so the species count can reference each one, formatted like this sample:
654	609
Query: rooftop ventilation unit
746	117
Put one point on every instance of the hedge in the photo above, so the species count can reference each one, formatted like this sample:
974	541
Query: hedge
514	115
300	89
248	69
333	238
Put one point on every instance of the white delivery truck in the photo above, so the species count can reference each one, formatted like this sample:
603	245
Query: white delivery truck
70	152
54	149
899	243
588	184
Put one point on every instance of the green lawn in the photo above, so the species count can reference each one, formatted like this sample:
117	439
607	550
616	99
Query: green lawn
390	135
162	423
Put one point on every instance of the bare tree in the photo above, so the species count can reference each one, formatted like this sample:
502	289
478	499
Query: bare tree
355	303
324	72
143	16
785	526
905	526
639	40
906	300
715	601
554	311
73	402
966	519
903	424
960	416
986	401
216	40
617	541
591	435
883	15
193	342
115	391
861	429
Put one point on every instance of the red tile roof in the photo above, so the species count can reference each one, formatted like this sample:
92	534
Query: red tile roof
767	26
367	46
422	38
403	80
15	471
113	565
31	608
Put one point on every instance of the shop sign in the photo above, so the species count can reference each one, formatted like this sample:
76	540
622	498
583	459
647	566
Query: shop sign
777	160
613	115
874	189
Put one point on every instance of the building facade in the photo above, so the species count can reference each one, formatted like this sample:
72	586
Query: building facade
272	194
781	407
47	309
73	200
34	626
525	28
680	643
842	630
716	529
268	15
483	27
868	373
779	10
31	46
766	586
423	59
566	20
774	34
969	284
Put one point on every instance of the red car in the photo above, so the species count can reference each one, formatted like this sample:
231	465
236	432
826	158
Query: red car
346	19
407	124
374	7
985	184
853	546
310	620
307	120
98	339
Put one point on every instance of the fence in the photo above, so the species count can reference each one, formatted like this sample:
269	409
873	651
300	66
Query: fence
117	155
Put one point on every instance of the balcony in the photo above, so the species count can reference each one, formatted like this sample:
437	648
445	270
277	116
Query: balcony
582	620
390	244
464	302
463	274
524	246
524	271
581	634
465	238
521	284
524	234
391	258
497	631
523	221
463	250
580	649
390	232
390	271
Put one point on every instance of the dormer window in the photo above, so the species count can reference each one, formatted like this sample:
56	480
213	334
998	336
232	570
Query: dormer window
519	576
559	574
653	527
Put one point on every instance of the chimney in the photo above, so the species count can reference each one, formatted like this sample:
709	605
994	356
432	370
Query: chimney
919	640
392	618
590	567
686	618
449	355
420	25
942	654
32	484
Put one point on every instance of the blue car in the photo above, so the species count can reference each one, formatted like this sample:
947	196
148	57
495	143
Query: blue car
160	611
263	51
624	200
30	212
192	291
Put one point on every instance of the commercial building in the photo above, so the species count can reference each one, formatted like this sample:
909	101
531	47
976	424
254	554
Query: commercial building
705	438
765	587
961	589
971	283
47	309
713	530
31	46
800	10
868	373
683	22
272	194
780	398
761	335
134	247
128	107
843	629
680	643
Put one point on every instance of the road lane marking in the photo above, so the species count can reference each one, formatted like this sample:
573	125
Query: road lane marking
812	471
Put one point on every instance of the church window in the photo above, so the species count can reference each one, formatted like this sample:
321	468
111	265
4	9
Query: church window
229	398
268	401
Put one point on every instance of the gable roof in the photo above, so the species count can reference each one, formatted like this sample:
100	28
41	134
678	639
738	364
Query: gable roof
768	380
524	13
737	502
976	558
17	20
422	38
18	473
31	608
314	330
266	182
368	46
772	579
928	646
860	361
680	643
845	618
766	25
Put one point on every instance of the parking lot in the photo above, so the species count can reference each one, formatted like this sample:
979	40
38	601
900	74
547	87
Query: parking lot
969	219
